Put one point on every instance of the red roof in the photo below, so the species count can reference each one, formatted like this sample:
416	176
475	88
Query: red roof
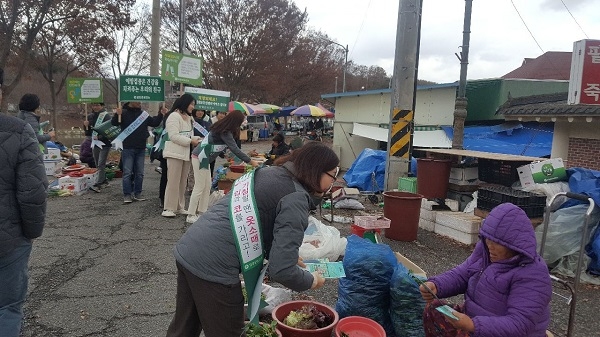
552	65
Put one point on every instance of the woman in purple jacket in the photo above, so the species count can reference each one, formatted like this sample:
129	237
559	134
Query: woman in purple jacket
506	284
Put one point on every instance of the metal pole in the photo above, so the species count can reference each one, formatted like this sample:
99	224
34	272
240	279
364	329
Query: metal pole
460	106
182	26
155	45
403	96
345	69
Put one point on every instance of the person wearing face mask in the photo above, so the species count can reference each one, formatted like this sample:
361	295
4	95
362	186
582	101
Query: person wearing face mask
179	137
506	284
275	202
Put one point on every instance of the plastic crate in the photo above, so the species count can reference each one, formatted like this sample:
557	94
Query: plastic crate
489	197
407	184
371	222
499	171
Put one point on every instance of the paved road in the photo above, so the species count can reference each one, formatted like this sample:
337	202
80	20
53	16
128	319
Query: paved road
102	268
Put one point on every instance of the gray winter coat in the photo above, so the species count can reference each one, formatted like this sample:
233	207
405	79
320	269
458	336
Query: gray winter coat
208	248
23	184
34	121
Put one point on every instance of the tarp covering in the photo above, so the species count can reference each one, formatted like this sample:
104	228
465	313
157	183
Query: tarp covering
526	139
359	174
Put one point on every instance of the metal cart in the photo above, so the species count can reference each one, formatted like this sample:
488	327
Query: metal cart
572	299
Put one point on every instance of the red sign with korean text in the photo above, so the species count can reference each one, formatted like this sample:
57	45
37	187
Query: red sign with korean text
590	79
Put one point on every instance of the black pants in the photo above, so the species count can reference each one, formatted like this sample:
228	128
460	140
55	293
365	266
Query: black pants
163	180
201	305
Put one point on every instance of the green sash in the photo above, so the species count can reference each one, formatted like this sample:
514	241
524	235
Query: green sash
243	214
206	150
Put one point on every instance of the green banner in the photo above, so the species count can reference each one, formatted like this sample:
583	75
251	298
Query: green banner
181	68
141	89
207	99
84	90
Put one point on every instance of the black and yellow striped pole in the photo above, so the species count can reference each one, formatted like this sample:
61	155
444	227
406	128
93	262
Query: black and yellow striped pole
402	102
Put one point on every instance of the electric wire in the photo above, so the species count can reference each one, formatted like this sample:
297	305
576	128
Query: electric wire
578	25
361	27
525	24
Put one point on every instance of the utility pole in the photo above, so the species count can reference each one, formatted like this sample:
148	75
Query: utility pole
403	96
460	106
154	45
345	48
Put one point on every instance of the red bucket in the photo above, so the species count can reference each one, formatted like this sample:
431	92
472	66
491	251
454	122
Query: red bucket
359	326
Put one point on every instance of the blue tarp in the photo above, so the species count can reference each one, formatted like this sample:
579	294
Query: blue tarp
369	161
526	139
359	174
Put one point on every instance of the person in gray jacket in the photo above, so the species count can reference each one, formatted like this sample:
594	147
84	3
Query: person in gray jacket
28	104
209	291
23	194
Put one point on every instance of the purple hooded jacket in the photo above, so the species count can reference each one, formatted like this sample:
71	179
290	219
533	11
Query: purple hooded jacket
504	298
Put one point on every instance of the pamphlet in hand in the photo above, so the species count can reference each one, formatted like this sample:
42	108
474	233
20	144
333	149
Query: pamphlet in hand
327	269
447	311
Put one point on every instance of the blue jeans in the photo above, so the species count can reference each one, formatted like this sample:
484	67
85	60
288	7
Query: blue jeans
133	164
13	289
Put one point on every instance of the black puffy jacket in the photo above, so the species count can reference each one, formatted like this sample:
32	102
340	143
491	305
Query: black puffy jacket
23	184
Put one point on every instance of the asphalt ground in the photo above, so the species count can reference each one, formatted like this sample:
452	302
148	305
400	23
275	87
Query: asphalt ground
102	268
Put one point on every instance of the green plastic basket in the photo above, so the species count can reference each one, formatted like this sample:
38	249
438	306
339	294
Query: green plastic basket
407	184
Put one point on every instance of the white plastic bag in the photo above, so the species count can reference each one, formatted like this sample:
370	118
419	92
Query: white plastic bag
273	296
321	241
215	197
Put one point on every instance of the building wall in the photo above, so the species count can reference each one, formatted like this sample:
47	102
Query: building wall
584	152
434	106
486	96
578	143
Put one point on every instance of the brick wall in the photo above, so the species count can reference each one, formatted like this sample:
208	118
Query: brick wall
584	152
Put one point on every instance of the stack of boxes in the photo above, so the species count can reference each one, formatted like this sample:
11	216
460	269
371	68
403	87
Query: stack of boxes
459	226
52	162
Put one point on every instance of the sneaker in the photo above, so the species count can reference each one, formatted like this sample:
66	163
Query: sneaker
95	188
104	184
191	218
168	214
182	212
158	169
138	197
127	199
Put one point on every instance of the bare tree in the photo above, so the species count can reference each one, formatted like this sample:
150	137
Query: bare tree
252	48
131	52
22	20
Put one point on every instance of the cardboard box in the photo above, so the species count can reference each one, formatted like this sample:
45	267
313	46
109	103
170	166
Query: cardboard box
76	185
52	167
232	175
243	134
52	155
92	178
463	175
547	171
345	193
416	270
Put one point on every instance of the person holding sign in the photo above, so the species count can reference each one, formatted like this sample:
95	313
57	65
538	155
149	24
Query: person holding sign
506	284
223	134
100	145
264	216
134	123
179	133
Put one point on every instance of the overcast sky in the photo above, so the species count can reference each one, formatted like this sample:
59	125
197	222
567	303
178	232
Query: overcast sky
499	38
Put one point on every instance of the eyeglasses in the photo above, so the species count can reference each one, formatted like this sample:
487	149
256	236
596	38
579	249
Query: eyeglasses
337	171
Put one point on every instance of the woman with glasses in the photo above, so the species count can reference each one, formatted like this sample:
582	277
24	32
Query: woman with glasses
209	292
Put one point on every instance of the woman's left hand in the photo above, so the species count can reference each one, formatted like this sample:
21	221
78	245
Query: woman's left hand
464	322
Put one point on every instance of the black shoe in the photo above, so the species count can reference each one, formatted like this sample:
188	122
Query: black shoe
95	189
